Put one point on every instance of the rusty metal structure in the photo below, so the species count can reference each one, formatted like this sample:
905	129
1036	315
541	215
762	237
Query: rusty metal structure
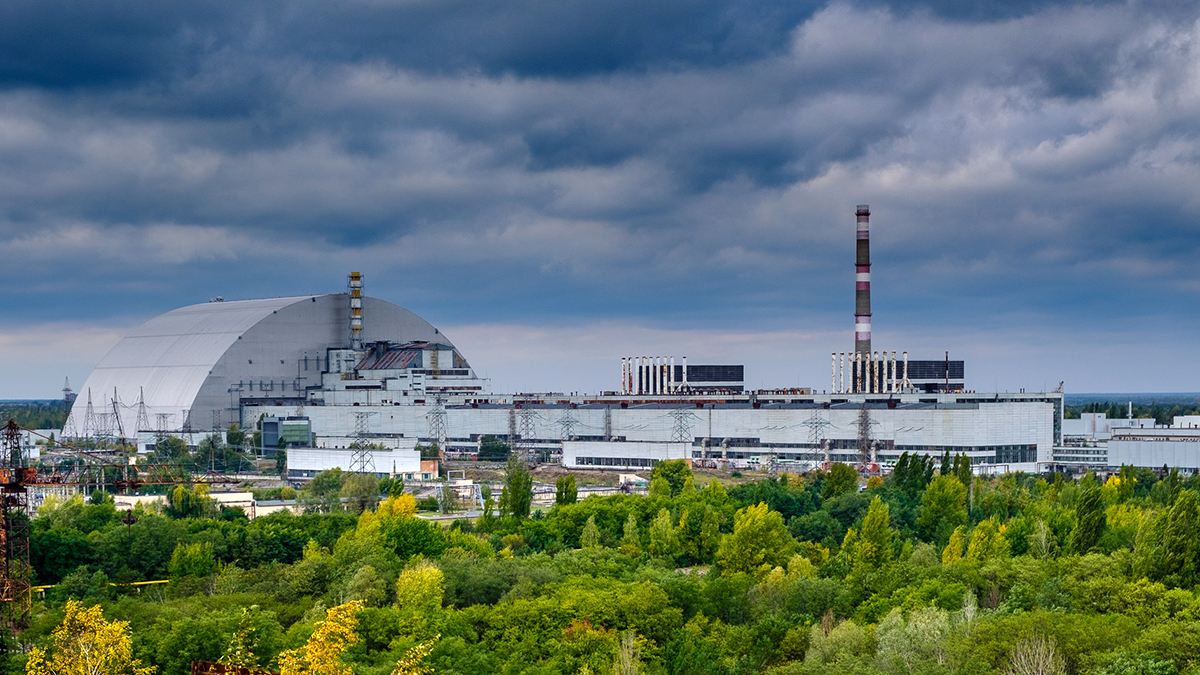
210	668
89	469
14	535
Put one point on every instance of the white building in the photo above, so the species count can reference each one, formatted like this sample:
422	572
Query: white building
304	463
1186	422
612	455
1156	448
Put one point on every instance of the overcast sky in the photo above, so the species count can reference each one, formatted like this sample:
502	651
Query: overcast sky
556	184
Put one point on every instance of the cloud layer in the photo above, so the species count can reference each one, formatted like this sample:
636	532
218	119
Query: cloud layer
665	168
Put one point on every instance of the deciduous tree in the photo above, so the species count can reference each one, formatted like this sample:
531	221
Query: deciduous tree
565	491
516	499
842	478
85	643
590	537
759	542
1090	516
675	472
943	508
322	654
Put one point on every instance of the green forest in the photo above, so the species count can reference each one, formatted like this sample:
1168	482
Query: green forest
929	570
35	414
1161	413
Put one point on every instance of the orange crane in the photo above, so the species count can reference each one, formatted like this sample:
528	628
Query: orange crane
16	477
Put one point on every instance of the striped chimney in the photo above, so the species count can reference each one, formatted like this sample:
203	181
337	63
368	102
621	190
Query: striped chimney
862	283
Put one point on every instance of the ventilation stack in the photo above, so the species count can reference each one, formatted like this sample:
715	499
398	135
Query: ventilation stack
356	310
862	283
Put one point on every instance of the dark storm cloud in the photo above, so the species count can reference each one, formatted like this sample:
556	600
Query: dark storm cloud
1028	163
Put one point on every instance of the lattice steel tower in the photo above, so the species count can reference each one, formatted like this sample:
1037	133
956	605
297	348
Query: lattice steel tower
362	460
437	426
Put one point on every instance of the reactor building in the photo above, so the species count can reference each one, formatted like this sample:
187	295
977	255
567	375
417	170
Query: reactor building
330	372
193	369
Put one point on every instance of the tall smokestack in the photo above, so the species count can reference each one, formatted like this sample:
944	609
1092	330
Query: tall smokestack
862	283
356	324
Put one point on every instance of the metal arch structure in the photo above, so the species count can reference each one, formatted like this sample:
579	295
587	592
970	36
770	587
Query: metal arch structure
16	477
185	362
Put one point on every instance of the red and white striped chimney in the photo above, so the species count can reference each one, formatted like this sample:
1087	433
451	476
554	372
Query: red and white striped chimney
862	283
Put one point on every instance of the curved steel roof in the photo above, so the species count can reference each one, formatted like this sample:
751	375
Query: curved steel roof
169	359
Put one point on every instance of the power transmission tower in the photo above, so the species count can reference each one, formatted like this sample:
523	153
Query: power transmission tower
116	415
864	435
437	426
362	460
164	426
69	430
89	418
681	429
817	424
527	433
608	423
512	429
143	420
568	423
187	426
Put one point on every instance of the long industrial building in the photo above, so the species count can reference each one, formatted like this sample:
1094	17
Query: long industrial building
1016	431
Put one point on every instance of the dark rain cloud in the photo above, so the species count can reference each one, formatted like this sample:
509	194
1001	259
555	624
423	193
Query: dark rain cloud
695	163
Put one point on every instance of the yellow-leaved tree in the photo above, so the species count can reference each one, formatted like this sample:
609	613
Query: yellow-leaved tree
322	654
410	663
87	644
419	592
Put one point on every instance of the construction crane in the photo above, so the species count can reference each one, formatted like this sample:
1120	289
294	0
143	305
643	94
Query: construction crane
16	477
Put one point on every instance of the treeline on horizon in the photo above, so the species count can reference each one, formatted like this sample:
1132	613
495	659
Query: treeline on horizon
35	414
1162	414
929	571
